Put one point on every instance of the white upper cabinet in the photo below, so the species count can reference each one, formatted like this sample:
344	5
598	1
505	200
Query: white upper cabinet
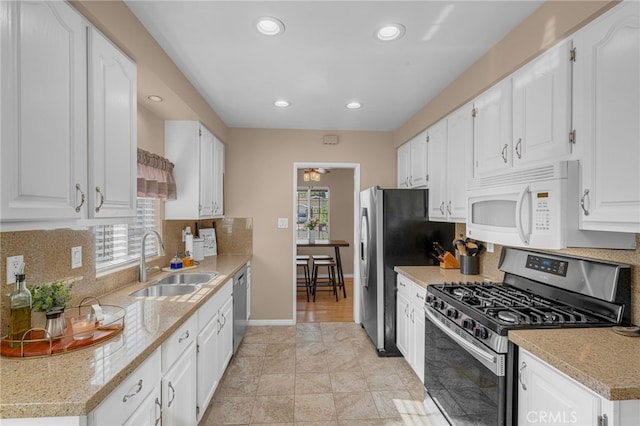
450	164
43	104
542	108
404	165
412	163
606	108
437	167
199	170
419	176
492	130
68	120
113	133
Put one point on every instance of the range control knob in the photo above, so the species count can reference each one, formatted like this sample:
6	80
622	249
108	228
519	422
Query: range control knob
452	313
429	299
468	323
480	332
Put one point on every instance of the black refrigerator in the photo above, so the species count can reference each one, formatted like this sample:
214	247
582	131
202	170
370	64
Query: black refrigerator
394	231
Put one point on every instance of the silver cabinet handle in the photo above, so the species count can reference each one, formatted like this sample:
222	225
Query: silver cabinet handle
184	336
411	316
219	326
173	394
449	208
518	147
78	189
584	195
134	393
504	152
158	407
101	199
442	207
520	374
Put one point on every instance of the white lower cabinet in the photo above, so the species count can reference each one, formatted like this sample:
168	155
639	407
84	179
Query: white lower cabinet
136	401
548	396
214	344
410	323
179	375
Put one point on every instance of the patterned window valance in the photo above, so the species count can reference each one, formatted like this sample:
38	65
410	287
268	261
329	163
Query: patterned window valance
155	176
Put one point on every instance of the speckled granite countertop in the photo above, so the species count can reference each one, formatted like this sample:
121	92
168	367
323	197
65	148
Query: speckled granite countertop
603	361
425	275
74	383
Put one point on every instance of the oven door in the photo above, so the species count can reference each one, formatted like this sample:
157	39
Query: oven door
463	377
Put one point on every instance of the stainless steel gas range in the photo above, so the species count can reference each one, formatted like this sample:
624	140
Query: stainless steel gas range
469	362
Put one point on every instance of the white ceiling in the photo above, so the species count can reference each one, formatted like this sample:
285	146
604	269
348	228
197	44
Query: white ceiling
326	57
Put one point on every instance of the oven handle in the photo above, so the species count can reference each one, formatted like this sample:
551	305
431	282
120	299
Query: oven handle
459	340
519	204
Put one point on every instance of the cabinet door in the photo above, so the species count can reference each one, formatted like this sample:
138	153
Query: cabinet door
179	391
545	395
113	131
459	162
437	168
541	107
207	166
208	363
418	146
606	111
218	178
404	165
226	333
402	325
43	110
492	130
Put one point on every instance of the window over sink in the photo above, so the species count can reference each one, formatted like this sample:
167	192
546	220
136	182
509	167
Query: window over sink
120	244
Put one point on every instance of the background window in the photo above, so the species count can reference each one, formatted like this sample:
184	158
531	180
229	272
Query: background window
313	202
118	245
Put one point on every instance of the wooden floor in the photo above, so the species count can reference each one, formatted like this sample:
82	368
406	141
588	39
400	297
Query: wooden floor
325	308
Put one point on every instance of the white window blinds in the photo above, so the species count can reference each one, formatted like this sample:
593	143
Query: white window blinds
118	245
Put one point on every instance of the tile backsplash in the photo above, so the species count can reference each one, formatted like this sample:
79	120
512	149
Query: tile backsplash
47	256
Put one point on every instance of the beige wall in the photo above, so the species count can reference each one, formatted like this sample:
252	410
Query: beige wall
259	184
550	23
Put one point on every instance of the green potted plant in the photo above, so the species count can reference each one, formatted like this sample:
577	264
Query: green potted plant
47	296
311	226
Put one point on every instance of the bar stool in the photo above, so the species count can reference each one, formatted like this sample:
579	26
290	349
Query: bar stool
330	264
306	281
339	280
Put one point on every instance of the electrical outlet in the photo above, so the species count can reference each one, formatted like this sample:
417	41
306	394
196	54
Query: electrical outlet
490	247
76	257
283	222
13	267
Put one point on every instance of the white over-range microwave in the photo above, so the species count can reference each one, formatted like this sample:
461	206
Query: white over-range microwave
537	207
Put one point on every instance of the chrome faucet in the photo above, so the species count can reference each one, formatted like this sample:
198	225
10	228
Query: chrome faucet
143	267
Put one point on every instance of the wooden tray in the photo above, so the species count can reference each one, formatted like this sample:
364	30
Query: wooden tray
38	345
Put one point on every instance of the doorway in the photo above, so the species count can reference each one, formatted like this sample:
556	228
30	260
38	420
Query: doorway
341	226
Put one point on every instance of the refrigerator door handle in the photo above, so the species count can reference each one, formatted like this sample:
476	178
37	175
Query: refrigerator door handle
364	248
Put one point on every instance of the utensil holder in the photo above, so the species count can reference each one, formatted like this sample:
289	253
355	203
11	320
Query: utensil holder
469	265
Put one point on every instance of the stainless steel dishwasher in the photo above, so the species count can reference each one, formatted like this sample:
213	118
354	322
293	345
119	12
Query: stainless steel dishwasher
239	306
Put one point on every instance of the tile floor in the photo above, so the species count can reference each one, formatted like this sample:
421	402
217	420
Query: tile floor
316	374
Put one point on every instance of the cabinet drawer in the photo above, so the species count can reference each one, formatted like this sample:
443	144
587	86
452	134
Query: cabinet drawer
405	285
125	399
173	347
213	305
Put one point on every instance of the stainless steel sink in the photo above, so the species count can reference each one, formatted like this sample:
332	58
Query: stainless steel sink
187	278
175	285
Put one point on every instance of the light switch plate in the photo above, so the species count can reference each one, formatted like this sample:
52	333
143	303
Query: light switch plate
13	265
283	222
490	248
76	257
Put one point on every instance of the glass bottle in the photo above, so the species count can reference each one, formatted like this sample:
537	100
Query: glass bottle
20	317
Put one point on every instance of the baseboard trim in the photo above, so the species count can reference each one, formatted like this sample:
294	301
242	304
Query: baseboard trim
271	322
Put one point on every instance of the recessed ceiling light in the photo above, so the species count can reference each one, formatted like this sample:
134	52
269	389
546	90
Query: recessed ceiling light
390	32
155	98
354	105
270	26
282	103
